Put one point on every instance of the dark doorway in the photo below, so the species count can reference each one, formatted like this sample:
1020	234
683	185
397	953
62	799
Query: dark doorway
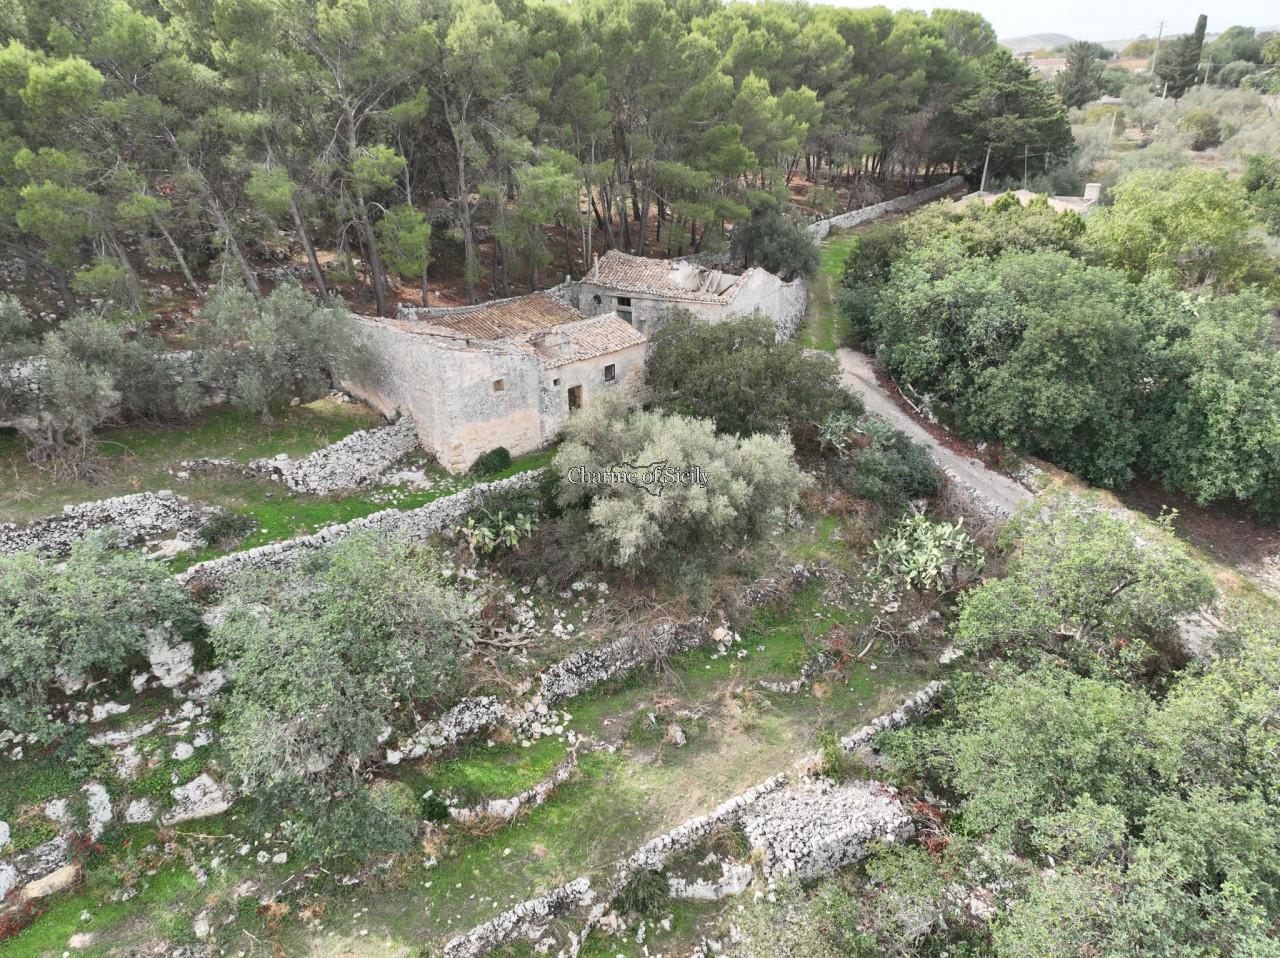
575	397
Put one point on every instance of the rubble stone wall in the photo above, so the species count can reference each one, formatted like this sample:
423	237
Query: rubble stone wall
901	204
133	519
416	523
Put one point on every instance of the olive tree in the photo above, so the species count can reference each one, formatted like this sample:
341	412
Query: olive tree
86	618
653	488
325	662
265	352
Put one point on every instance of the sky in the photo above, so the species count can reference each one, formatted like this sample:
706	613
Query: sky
1102	19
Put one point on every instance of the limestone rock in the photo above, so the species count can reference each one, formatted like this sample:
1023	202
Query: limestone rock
199	798
171	662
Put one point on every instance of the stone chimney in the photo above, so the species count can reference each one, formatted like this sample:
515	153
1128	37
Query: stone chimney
595	267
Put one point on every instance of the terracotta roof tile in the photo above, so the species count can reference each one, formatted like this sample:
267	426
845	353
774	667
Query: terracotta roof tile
500	319
569	343
670	279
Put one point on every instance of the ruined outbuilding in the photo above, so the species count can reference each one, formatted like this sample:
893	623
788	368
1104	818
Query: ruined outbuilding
643	291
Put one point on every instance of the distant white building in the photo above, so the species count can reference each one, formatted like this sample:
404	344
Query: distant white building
1078	204
642	291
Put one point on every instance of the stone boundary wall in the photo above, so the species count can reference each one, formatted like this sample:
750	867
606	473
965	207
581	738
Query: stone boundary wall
901	204
133	519
416	523
505	927
911	708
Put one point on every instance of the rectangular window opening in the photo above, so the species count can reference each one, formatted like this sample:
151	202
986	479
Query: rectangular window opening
499	385
610	373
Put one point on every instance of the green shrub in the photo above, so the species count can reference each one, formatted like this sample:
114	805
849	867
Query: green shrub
227	529
737	374
1203	127
645	893
87	618
495	460
891	469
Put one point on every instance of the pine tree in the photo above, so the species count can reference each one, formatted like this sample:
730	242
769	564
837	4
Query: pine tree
1179	62
1080	82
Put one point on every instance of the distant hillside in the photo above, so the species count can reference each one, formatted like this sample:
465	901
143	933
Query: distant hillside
1035	41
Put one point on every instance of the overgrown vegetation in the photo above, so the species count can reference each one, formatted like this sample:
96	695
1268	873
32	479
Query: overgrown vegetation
88	618
323	661
738	375
1107	350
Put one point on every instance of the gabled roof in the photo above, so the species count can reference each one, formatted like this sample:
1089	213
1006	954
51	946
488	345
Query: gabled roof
500	319
667	279
584	339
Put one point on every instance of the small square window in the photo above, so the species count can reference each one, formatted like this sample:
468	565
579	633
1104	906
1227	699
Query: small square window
624	300
555	382
610	373
499	385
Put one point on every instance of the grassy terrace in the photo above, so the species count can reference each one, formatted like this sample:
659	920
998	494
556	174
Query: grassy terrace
738	735
145	458
824	328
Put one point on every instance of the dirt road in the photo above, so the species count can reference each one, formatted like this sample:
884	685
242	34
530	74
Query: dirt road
991	491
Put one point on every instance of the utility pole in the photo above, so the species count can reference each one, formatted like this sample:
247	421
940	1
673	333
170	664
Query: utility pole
1025	148
985	163
1207	67
1156	52
1111	134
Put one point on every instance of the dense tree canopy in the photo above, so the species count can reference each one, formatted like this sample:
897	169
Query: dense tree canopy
180	135
1140	343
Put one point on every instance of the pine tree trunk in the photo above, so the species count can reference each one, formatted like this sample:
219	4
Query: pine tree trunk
300	225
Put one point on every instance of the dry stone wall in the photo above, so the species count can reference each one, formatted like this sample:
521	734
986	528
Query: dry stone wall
133	519
521	921
417	523
901	204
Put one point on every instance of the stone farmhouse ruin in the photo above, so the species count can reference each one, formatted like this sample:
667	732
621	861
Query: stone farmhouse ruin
642	291
508	373
505	373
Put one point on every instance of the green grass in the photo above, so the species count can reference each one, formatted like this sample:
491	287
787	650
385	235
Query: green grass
824	327
282	514
142	458
479	773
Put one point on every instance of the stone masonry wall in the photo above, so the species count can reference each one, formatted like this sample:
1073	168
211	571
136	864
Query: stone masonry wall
134	518
418	523
345	464
901	204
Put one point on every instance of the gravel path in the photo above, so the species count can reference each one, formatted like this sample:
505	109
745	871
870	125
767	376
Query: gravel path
1000	492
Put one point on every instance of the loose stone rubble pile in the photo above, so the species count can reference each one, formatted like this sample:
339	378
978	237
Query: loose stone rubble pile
348	463
134	518
817	828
